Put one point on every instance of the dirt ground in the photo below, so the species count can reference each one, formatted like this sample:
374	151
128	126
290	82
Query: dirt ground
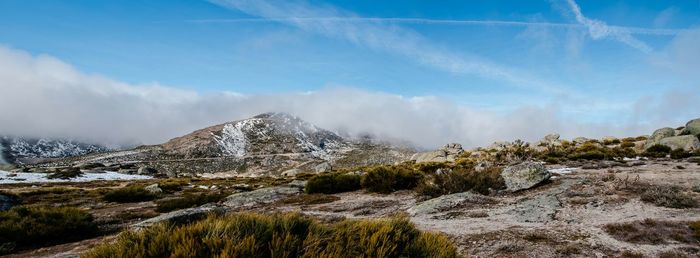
566	217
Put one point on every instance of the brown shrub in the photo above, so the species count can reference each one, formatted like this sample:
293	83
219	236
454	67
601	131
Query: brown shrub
650	231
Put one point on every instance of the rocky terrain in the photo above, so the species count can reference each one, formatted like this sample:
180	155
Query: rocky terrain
31	150
612	197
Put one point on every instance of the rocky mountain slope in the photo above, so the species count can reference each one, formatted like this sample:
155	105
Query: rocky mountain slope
22	150
266	144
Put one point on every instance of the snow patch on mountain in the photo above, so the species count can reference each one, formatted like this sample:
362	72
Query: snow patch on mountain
232	140
15	148
19	178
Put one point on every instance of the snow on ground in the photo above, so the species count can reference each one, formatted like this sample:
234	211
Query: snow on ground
18	178
563	171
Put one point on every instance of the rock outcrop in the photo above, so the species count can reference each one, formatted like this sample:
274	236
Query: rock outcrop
181	216
524	175
261	196
685	142
449	152
658	135
693	127
448	202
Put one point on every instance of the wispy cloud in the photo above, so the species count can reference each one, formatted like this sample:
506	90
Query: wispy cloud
388	38
398	20
600	30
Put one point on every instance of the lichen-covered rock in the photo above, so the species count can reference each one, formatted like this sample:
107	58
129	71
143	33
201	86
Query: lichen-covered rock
147	171
181	216
449	152
153	189
685	142
658	135
448	202
323	167
693	126
291	172
260	196
524	175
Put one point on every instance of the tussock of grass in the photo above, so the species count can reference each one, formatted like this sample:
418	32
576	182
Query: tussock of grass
188	200
29	227
387	179
333	183
462	180
129	194
279	235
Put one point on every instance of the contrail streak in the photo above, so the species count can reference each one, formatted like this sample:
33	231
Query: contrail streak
632	30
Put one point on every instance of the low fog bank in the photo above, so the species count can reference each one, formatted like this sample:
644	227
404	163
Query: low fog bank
44	97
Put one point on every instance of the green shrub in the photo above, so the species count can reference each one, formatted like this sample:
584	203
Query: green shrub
695	227
25	227
188	200
462	180
657	151
333	183
627	145
387	179
680	154
278	235
430	167
172	185
588	155
129	194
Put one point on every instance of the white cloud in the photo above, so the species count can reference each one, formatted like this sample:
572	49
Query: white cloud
340	24
600	30
43	96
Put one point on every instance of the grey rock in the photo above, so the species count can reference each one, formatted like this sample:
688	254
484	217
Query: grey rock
481	166
449	152
147	171
524	175
154	189
323	167
538	209
90	166
449	202
580	140
685	142
693	126
298	184
181	216
291	172
658	135
6	202
552	137
260	196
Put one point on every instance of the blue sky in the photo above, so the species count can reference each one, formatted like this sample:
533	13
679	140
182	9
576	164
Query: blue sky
597	61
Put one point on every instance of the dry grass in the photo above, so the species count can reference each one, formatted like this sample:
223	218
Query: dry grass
310	199
35	226
650	231
279	235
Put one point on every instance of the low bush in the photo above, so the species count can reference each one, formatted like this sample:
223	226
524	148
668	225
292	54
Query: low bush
65	174
333	183
129	194
680	154
657	151
172	185
695	227
278	235
188	200
462	180
627	145
25	227
387	179
431	167
650	231
668	196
